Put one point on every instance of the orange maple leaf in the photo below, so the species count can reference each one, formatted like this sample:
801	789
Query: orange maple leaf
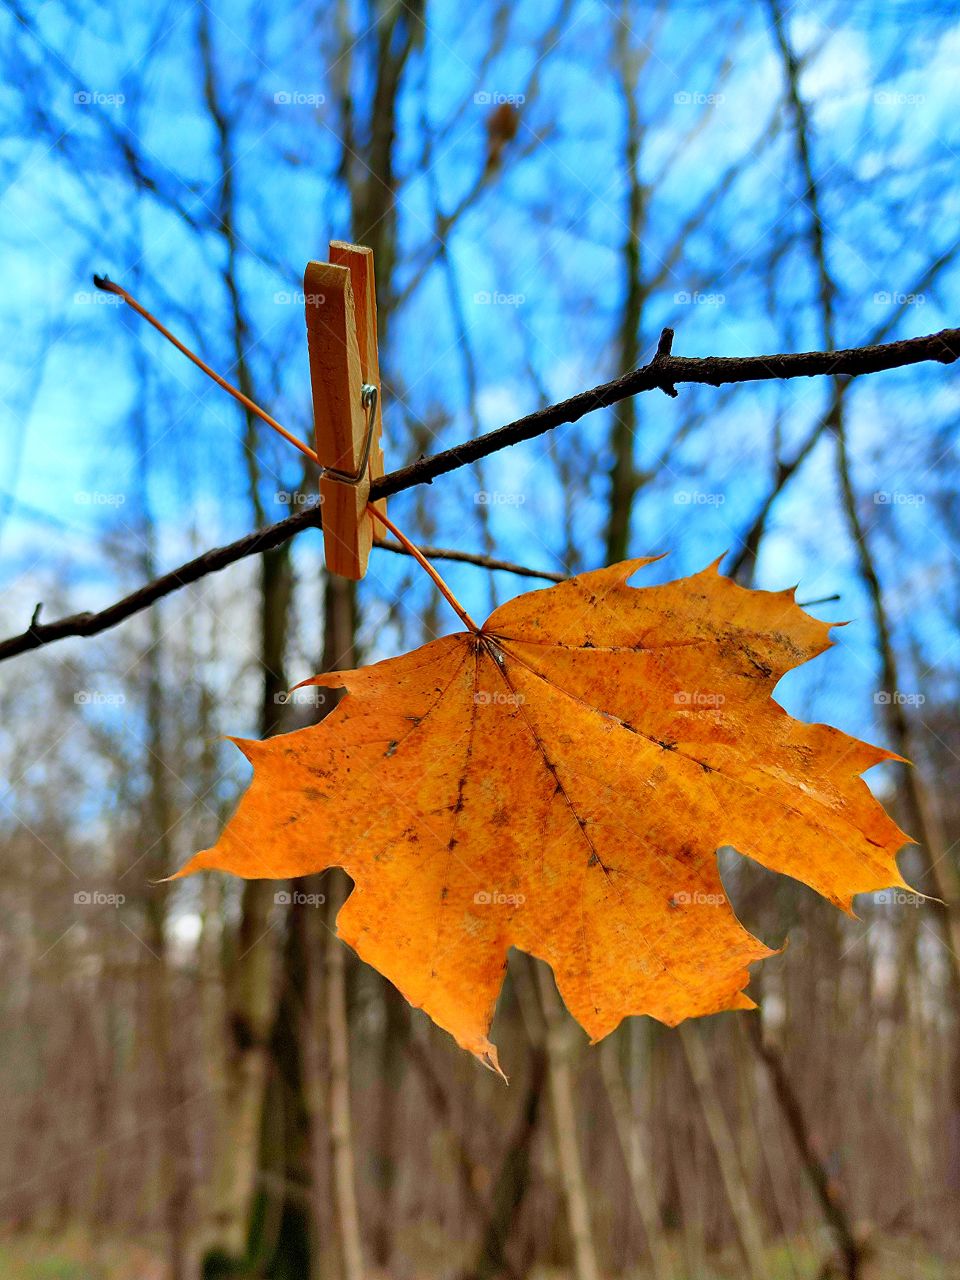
560	781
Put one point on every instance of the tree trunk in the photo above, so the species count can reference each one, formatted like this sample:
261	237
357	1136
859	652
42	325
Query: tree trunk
638	1168
738	1196
563	1106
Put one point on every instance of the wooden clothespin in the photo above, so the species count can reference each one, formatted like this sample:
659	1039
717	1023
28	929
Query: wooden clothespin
341	306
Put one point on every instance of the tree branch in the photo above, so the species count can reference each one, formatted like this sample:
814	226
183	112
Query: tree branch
661	373
482	562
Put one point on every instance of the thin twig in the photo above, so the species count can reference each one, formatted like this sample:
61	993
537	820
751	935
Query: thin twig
90	624
482	562
662	372
108	286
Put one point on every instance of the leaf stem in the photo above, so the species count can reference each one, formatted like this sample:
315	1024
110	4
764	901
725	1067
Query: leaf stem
424	563
109	286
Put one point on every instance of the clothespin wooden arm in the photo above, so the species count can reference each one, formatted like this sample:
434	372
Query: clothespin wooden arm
359	259
341	311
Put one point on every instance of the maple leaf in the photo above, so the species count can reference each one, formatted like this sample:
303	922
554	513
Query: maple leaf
560	781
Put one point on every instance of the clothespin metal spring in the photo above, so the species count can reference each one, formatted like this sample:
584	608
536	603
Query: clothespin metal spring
368	398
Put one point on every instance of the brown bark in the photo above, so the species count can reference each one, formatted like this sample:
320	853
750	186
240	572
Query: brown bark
791	1109
745	1221
563	1109
624	480
638	1167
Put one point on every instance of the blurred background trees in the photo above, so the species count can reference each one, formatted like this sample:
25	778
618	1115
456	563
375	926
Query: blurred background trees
197	1078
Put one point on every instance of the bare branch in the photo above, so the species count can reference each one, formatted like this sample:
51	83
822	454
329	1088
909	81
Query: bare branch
661	373
482	562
